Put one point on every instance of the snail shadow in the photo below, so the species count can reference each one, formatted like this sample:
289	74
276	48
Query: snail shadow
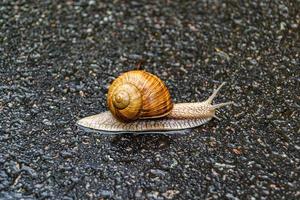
146	140
136	141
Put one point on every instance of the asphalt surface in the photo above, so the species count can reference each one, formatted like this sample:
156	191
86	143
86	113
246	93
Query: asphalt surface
57	59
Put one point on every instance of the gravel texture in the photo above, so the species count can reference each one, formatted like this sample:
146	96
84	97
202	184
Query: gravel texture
57	59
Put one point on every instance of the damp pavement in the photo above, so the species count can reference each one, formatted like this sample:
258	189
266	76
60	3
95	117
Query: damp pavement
57	59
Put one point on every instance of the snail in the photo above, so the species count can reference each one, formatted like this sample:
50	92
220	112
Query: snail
140	102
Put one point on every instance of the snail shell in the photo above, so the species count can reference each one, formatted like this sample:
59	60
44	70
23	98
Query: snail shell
138	95
140	102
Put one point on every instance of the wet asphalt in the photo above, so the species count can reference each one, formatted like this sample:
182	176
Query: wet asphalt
57	59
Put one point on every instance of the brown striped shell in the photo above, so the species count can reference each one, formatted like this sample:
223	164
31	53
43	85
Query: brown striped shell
138	95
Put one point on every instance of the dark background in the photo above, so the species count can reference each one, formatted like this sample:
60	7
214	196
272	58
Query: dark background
57	59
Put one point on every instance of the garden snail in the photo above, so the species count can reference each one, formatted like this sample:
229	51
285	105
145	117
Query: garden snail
140	102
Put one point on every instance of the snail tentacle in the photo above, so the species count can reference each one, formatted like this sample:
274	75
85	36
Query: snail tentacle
214	94
220	105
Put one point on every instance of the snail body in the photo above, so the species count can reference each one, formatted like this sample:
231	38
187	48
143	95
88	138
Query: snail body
140	102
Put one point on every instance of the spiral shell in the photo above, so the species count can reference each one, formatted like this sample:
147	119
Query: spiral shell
138	95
